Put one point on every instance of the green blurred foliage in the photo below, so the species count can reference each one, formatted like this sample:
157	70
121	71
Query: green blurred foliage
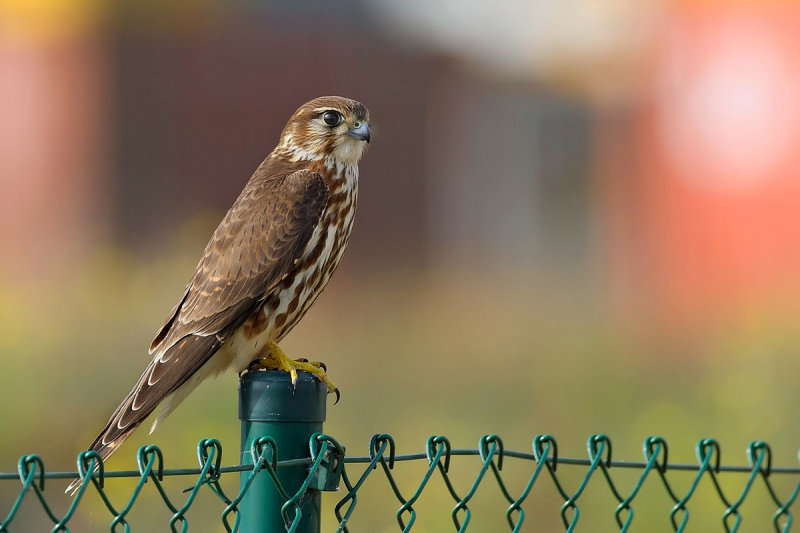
423	353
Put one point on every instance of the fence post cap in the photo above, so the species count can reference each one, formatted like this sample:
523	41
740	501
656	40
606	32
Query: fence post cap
269	396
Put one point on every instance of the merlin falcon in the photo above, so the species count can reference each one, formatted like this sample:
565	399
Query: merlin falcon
265	265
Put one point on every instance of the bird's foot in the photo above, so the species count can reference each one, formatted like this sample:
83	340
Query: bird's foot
276	359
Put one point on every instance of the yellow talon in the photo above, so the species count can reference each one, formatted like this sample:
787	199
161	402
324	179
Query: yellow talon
276	359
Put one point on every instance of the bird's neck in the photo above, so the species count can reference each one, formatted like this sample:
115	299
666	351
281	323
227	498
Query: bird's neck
296	153
339	175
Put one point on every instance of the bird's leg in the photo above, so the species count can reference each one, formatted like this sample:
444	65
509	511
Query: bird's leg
275	359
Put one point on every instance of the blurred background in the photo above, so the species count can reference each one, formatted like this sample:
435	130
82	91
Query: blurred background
574	217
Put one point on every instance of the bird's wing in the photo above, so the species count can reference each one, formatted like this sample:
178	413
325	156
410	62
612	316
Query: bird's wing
255	245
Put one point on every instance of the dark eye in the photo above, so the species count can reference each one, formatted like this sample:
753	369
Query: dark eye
332	118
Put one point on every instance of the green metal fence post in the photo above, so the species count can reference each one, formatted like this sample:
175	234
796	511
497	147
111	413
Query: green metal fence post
270	406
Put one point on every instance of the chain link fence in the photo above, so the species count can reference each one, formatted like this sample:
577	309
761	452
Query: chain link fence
323	465
542	462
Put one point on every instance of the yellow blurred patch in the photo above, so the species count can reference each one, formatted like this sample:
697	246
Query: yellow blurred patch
48	19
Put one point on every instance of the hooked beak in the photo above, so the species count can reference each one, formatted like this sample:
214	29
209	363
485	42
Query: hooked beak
360	132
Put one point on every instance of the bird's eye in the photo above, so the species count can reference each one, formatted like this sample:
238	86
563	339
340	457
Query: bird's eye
332	118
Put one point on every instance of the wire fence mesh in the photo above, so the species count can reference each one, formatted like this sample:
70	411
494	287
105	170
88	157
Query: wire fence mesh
541	469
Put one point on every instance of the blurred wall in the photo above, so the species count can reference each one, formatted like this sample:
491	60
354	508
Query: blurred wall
642	153
54	97
199	108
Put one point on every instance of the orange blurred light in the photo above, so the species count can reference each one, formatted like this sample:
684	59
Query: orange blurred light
717	206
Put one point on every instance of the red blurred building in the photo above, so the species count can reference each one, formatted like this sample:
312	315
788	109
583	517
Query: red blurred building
709	214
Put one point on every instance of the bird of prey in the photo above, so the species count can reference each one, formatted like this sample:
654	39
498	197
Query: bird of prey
266	263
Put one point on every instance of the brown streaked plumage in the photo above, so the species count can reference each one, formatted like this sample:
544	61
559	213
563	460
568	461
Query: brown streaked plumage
265	264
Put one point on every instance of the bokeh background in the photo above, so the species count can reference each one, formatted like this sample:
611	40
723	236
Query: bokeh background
575	217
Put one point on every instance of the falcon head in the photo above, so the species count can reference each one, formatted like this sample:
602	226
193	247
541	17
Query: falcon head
328	126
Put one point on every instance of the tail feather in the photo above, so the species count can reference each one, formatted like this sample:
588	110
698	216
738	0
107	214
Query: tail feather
106	447
165	378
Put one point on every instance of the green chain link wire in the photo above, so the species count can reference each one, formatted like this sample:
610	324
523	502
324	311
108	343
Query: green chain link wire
438	454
